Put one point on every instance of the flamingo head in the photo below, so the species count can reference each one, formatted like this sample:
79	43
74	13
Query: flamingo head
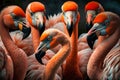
35	15
14	18
70	15
103	25
49	39
92	9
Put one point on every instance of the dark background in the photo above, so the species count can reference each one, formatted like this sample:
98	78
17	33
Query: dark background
54	7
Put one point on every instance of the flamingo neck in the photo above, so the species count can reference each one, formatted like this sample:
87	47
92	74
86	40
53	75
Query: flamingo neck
72	58
95	62
56	61
18	56
35	37
71	67
7	40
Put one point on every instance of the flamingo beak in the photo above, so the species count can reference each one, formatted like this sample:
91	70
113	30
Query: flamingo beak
70	28
41	51
89	18
89	22
39	19
70	18
91	40
92	37
41	28
26	30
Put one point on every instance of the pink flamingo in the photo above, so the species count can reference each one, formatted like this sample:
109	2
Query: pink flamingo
35	15
11	17
71	18
92	9
36	18
50	38
104	62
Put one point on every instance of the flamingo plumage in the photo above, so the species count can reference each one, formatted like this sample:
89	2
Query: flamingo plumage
71	18
25	44
37	14
50	38
92	8
6	66
104	61
12	17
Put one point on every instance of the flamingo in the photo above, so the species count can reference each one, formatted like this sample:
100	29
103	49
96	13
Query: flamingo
36	17
71	18
13	17
92	9
50	38
104	61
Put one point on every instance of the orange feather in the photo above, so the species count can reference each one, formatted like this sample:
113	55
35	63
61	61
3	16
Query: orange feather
37	6
100	18
18	11
69	6
44	36
92	6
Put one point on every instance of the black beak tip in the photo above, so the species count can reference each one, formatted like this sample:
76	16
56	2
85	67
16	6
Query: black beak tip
91	40
41	28
26	32
70	29
88	26
70	32
39	56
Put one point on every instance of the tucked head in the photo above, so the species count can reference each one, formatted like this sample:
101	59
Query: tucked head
49	39
104	24
14	18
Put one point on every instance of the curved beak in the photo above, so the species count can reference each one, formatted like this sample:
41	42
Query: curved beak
41	51
70	27
40	21
26	30
70	18
41	27
92	36
91	40
89	22
89	18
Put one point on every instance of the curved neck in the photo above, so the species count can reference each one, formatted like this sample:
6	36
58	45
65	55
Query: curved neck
18	56
7	40
35	37
56	61
94	65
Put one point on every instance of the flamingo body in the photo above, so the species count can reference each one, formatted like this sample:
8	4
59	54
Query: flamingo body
102	57
17	55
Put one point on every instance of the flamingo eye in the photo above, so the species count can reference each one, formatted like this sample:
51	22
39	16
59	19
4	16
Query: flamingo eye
14	16
49	38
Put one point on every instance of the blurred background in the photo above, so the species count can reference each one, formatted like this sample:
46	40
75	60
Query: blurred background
54	7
